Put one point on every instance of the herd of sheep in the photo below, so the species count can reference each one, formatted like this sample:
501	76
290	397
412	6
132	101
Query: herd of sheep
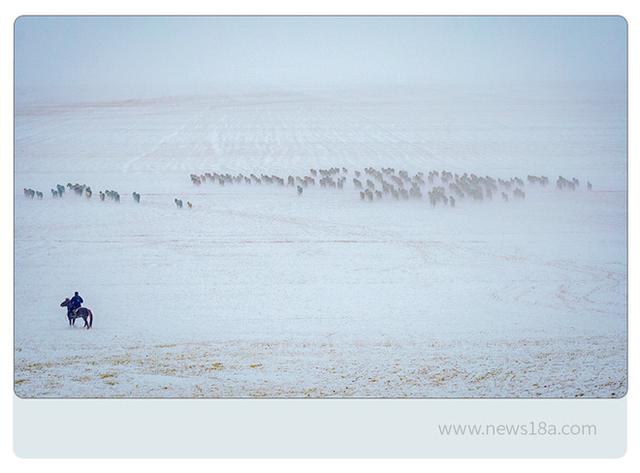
370	184
84	190
439	187
81	190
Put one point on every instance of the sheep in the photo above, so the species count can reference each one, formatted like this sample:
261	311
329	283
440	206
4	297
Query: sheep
561	183
442	187
488	193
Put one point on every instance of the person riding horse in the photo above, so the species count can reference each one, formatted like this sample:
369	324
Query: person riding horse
75	302
75	310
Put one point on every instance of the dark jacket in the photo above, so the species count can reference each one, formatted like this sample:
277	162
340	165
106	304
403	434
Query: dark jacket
76	301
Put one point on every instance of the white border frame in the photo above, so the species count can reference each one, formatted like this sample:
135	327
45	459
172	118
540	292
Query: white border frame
628	9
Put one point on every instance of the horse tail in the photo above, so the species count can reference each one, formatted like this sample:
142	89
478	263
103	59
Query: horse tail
90	317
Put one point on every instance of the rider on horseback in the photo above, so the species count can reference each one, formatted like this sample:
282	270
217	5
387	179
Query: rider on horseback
76	302
75	310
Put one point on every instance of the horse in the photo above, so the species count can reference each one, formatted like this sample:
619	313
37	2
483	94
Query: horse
83	312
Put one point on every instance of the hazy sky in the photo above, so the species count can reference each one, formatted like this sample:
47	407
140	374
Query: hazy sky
129	56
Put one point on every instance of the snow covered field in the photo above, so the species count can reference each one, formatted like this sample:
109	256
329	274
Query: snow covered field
258	292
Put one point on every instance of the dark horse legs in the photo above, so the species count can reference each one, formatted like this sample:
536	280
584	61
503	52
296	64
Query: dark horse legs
72	320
